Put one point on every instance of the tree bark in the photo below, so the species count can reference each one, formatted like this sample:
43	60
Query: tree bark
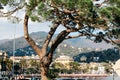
44	71
44	67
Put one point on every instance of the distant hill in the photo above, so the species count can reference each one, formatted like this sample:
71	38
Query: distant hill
21	42
3	41
23	48
99	56
86	43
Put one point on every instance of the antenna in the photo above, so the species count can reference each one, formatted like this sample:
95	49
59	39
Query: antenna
14	45
14	20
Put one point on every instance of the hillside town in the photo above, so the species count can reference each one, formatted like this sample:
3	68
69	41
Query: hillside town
63	66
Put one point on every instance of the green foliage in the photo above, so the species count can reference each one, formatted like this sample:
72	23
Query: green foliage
73	4
109	11
30	71
96	68
40	7
70	4
4	2
43	9
32	3
74	66
106	12
47	10
116	11
39	10
115	2
9	64
58	65
84	4
116	31
23	63
34	18
104	56
53	73
11	3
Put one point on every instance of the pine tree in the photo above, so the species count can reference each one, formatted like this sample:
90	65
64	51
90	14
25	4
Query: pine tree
83	17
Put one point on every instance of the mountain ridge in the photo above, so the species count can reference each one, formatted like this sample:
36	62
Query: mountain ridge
86	43
39	38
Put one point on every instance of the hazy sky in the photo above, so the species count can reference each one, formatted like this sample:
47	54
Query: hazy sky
7	29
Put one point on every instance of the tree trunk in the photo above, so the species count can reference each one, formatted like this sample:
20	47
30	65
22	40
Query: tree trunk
45	60
44	72
44	67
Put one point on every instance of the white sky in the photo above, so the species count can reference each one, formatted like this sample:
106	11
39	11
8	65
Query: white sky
7	29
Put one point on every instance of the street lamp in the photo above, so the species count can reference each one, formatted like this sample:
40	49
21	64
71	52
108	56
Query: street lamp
14	20
113	74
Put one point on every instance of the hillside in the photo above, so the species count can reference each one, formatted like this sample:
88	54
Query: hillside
86	43
3	41
22	47
99	56
68	47
21	42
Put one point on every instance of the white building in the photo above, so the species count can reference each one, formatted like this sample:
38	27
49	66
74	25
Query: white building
116	67
64	59
27	58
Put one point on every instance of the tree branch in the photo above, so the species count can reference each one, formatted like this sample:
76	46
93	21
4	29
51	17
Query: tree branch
69	37
2	14
57	41
49	36
114	41
89	34
28	38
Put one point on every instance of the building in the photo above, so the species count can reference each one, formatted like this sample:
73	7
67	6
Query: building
64	59
27	58
97	68
116	67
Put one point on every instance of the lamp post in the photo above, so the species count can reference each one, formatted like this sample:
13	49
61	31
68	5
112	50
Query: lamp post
13	55
14	45
113	73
